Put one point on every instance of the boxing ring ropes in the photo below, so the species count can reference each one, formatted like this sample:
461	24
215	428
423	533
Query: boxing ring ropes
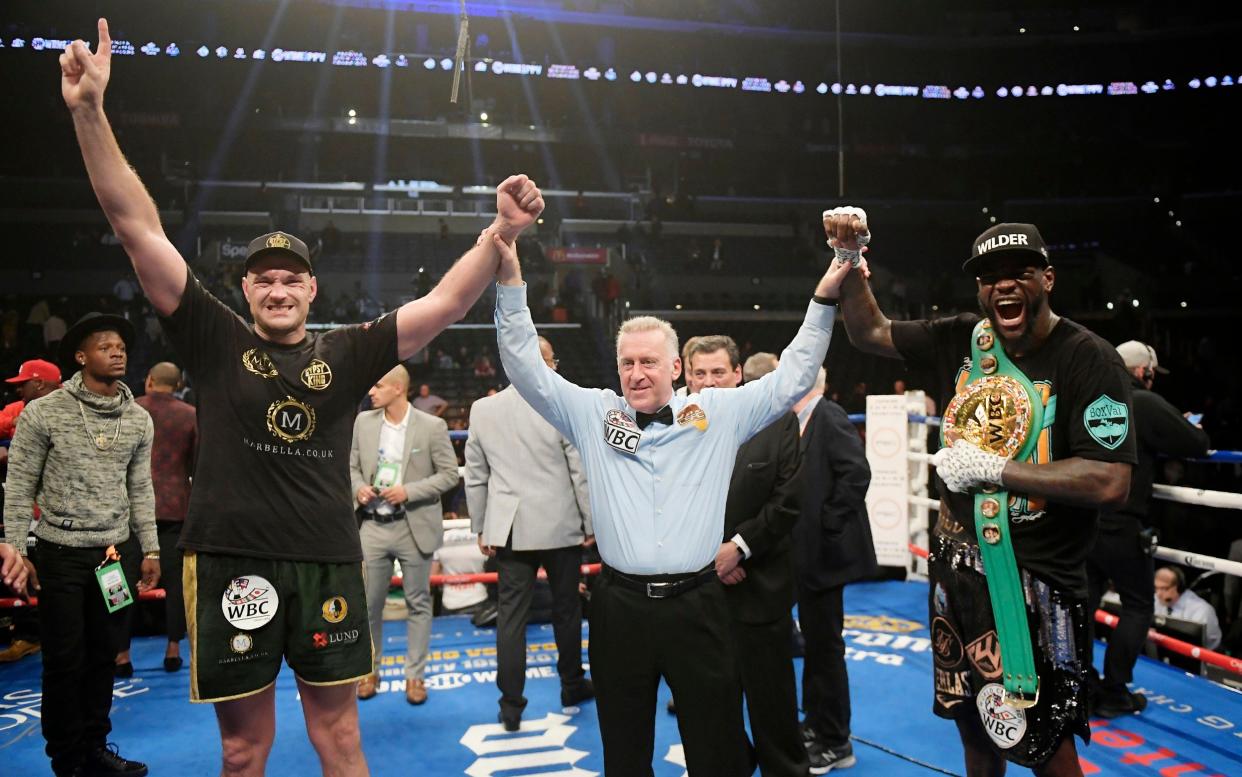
919	526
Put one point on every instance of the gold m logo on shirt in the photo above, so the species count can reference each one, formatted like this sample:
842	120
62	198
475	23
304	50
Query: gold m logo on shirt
291	420
259	363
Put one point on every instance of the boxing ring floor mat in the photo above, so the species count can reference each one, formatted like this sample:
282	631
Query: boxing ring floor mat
1190	727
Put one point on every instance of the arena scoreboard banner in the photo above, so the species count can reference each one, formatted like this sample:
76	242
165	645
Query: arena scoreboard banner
887	504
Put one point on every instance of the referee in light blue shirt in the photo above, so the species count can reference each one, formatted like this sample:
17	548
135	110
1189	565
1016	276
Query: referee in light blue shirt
659	466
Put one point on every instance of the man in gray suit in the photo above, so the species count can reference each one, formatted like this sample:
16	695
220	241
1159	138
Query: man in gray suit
528	503
400	462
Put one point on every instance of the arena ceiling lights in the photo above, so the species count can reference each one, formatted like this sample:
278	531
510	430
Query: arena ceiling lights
637	76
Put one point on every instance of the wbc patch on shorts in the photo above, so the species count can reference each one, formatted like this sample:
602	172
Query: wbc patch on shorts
249	602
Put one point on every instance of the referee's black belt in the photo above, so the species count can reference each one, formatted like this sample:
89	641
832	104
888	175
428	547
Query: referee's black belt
380	518
661	586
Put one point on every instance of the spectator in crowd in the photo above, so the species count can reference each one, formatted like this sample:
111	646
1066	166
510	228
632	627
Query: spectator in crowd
35	378
754	561
429	403
444	361
124	291
832	547
483	367
659	474
1122	550
93	436
400	462
528	503
460	555
54	331
1176	600
172	465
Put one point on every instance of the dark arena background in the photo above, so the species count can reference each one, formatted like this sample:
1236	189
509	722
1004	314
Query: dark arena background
686	150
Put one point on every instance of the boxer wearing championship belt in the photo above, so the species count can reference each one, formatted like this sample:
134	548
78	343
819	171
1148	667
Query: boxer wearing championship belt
1080	460
998	411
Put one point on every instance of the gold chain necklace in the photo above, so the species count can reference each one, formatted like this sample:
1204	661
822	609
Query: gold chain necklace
100	439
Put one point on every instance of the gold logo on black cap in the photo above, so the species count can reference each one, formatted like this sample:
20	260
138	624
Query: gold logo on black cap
291	420
278	240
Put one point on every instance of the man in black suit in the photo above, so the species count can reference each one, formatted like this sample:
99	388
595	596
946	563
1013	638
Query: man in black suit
754	560
832	541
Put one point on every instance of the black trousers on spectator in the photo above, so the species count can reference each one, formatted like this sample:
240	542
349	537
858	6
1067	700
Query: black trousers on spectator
636	640
122	621
515	586
825	682
1117	556
79	652
170	578
765	658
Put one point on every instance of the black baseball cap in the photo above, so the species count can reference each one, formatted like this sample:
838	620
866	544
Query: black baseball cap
278	243
88	325
1007	239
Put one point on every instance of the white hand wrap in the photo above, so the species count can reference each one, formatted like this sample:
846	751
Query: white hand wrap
963	467
853	256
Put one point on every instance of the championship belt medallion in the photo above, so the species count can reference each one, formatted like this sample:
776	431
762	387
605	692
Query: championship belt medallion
1000	412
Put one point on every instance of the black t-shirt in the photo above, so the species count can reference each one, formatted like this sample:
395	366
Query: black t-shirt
1086	391
275	422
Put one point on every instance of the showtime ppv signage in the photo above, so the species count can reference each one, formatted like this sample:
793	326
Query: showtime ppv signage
564	255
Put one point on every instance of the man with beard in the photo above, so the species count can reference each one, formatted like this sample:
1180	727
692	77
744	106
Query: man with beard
1039	409
84	454
272	562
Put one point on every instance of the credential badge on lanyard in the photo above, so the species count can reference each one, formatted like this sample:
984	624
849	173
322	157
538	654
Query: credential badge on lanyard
621	432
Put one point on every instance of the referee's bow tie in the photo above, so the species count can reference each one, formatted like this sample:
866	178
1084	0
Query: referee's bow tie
662	416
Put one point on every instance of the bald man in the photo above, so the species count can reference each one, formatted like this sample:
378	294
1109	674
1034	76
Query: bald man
400	462
172	463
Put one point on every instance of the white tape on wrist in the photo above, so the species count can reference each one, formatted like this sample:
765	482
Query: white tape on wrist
853	256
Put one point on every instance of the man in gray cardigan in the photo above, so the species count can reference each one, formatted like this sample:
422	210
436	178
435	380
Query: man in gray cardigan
83	453
528	503
400	462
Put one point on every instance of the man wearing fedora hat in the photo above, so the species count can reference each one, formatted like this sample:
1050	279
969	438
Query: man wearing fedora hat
84	455
1122	550
270	520
1038	438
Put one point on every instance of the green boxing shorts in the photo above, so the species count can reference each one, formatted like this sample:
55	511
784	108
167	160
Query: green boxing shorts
245	614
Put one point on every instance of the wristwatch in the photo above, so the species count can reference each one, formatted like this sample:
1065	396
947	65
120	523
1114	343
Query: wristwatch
151	554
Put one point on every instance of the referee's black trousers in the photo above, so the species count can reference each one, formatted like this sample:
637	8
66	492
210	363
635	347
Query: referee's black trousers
636	640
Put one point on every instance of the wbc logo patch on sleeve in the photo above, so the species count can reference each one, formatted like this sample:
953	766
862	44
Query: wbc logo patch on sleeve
621	432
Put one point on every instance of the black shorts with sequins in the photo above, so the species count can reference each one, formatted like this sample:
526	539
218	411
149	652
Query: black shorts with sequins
968	661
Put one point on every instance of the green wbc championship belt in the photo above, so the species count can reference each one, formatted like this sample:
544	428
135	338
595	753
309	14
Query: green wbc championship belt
1000	412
